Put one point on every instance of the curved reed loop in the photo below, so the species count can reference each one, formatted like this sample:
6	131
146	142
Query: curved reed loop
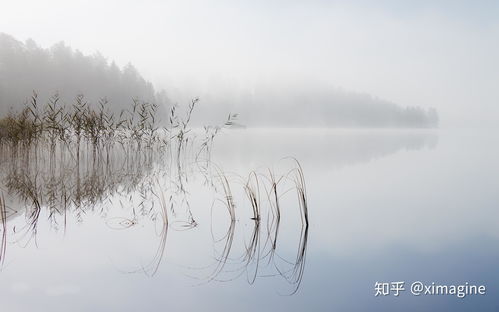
61	160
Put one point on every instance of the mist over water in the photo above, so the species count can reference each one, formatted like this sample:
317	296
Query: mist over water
66	73
248	155
412	210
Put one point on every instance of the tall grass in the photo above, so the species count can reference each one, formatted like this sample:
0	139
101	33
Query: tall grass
55	123
76	158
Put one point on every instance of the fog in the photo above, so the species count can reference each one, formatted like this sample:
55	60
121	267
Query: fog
28	72
339	186
425	54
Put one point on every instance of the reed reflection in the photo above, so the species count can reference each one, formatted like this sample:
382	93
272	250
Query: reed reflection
71	168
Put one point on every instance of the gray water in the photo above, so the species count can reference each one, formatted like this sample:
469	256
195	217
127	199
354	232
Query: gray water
383	206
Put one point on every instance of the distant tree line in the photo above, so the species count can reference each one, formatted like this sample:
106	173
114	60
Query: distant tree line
320	106
26	67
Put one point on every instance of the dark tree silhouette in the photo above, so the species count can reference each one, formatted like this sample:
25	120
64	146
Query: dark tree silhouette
26	67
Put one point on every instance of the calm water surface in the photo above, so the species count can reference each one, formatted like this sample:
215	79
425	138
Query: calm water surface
383	206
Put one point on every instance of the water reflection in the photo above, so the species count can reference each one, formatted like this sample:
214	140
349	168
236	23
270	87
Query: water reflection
321	148
153	186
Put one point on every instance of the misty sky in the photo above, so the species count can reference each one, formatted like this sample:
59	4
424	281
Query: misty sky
440	54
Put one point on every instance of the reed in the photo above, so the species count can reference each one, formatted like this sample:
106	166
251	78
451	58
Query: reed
103	155
82	123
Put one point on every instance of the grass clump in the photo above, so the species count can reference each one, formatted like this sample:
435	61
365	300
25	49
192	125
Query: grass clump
56	123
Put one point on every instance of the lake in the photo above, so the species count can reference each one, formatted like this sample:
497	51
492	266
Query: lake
261	220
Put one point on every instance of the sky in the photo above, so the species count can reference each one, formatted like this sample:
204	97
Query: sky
440	54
